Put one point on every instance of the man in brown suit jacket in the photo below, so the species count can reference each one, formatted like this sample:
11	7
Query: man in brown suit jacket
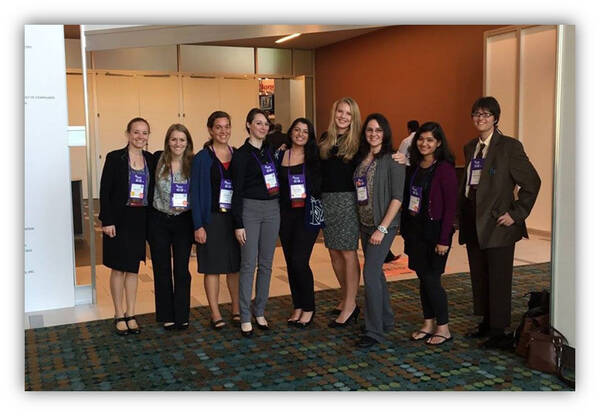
491	219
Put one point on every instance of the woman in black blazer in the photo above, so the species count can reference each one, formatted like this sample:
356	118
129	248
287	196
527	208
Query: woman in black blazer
126	189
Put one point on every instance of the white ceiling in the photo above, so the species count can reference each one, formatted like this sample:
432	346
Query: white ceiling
101	37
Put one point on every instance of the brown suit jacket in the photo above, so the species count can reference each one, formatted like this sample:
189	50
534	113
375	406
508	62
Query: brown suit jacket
506	165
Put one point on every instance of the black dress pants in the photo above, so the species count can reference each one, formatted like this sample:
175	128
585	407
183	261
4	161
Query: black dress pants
491	275
297	242
420	239
171	233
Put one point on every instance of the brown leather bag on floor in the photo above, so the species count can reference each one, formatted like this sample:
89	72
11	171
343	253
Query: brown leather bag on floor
550	353
539	323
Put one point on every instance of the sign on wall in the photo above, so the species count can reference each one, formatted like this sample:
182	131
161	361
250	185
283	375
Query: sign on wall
49	255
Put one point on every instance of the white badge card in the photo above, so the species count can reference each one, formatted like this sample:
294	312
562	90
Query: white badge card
415	199
138	183
179	201
362	194
476	168
179	194
225	197
226	194
297	188
271	180
137	191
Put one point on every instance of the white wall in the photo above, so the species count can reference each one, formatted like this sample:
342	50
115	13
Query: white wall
205	59
520	73
536	119
563	237
157	58
501	77
271	61
49	252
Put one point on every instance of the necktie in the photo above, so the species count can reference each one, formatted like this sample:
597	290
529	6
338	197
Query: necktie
473	188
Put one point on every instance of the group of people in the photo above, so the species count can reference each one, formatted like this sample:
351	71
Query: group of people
350	183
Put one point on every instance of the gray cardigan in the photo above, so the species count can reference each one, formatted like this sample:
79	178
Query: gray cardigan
389	184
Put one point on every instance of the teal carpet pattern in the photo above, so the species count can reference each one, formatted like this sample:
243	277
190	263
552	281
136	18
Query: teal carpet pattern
89	356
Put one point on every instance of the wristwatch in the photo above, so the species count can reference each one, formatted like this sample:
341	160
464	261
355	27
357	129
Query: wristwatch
382	229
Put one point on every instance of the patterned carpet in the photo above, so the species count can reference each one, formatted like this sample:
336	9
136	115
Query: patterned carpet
89	356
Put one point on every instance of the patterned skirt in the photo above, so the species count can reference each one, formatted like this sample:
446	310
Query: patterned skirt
341	229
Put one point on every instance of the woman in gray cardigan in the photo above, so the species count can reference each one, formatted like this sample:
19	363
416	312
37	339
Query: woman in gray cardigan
379	183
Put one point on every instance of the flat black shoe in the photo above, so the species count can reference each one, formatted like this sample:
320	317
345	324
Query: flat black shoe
305	324
121	331
136	330
292	322
247	334
480	331
169	327
262	327
366	342
235	318
183	326
353	317
217	325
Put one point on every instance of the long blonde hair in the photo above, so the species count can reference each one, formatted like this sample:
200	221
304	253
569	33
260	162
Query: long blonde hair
349	140
188	154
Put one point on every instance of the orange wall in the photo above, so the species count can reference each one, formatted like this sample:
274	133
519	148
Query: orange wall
406	72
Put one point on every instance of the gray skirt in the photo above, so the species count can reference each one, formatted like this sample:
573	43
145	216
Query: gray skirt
341	229
221	252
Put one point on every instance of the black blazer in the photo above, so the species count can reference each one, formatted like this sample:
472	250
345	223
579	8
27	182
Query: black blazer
114	185
506	165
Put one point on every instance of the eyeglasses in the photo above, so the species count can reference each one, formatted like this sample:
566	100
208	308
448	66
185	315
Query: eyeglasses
376	131
481	115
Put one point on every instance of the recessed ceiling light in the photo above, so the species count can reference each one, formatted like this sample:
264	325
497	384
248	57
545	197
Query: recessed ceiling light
283	39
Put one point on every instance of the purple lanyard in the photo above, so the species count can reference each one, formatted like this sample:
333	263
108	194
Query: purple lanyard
298	179
269	169
360	183
137	179
226	187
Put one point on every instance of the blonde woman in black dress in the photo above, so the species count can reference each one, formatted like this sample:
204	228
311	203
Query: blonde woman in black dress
337	149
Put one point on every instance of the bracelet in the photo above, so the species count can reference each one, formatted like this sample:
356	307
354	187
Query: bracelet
382	229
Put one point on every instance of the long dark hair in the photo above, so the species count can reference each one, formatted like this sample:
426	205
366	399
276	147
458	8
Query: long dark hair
311	151
442	153
386	144
311	155
167	156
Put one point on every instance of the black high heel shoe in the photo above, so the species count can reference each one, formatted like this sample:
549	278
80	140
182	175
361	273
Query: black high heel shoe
353	317
305	324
